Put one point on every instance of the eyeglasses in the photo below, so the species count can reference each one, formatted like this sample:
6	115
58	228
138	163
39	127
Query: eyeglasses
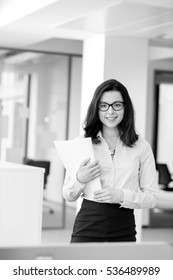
116	106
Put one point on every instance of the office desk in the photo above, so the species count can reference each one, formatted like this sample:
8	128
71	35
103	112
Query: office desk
92	251
21	197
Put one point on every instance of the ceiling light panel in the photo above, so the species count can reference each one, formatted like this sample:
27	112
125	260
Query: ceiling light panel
115	17
144	26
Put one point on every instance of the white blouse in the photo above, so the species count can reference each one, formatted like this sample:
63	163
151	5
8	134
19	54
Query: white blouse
132	170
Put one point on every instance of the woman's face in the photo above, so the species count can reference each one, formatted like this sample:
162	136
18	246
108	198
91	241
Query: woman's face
111	118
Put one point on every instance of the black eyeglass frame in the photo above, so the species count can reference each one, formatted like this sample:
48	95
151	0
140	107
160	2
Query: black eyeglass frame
111	105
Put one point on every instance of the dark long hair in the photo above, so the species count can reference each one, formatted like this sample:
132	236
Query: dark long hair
92	124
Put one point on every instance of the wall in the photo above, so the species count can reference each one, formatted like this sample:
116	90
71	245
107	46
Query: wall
165	65
59	45
126	60
154	64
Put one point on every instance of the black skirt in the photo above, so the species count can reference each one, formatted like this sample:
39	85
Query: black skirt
101	222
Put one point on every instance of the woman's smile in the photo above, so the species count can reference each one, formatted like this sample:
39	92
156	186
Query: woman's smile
112	118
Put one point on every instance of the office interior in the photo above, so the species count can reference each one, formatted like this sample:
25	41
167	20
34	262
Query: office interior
53	54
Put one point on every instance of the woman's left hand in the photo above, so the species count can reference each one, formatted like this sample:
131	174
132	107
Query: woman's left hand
108	195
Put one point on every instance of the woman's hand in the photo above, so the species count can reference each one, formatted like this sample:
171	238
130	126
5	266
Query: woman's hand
88	171
108	195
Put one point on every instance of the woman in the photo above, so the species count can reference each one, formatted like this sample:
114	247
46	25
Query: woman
124	163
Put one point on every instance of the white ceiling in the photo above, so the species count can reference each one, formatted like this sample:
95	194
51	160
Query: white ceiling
25	23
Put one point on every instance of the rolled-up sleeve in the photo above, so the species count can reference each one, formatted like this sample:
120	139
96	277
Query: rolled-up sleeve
146	195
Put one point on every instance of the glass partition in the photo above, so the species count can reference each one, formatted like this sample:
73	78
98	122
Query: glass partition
35	109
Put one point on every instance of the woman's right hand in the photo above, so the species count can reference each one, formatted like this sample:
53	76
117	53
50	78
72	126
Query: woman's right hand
88	171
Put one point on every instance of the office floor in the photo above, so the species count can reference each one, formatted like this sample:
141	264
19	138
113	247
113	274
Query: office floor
55	236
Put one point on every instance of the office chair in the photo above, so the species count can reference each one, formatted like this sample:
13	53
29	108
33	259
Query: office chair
43	164
164	176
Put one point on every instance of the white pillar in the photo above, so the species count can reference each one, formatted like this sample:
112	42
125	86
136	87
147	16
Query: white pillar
92	69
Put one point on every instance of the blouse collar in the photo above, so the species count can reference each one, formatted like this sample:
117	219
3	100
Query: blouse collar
101	136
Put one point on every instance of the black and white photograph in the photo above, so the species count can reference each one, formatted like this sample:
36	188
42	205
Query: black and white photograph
86	138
